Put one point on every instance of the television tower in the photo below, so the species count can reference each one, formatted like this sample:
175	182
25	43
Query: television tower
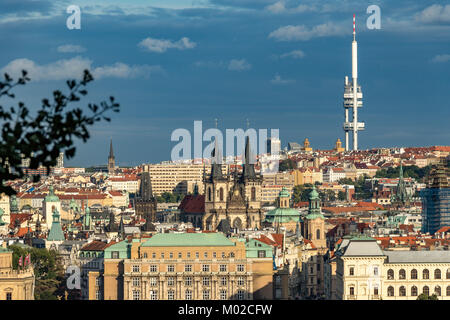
353	97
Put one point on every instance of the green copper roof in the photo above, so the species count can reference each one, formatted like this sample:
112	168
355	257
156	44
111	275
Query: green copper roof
56	233
253	247
51	197
314	216
284	193
188	240
282	215
314	194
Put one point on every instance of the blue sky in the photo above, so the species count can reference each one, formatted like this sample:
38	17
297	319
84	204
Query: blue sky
280	64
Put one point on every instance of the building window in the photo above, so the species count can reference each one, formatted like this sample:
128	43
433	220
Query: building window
240	281
223	294
413	274
221	194
180	255
136	295
375	291
448	291
135	268
318	234
205	268
426	274
8	296
402	291
145	255
241	294
197	255
448	273
223	281
214	254
253	194
390	291
352	291
170	268
402	274
205	281
98	281
240	268
414	291
171	255
154	255
153	295
170	295
115	255
437	291
206	295
390	274
437	273
188	295
426	290
170	281
223	268
188	281
98	295
153	268
162	255
153	282
375	271
188	255
209	194
136	282
352	271
205	254
261	253
188	268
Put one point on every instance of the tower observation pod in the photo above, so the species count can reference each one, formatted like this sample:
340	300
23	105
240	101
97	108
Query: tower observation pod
353	98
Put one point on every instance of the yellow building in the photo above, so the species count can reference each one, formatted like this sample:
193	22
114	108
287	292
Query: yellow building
306	145
182	266
338	146
14	284
307	175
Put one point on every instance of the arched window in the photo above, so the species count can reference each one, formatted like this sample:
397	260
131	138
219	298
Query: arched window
426	290
221	194
426	274
437	291
390	291
414	291
402	274
448	273
448	291
413	274
318	234
390	274
253	194
437	273
402	291
209	194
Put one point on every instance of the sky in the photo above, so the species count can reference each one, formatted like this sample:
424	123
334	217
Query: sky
278	63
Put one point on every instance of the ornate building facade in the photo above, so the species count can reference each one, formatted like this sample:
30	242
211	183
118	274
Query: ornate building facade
233	199
146	202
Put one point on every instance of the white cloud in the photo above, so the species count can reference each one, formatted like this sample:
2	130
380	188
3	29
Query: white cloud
161	45
441	58
70	48
276	7
239	65
280	7
209	64
73	68
302	33
434	13
296	54
278	80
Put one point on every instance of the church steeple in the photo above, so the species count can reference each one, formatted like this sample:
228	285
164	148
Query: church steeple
248	171
111	159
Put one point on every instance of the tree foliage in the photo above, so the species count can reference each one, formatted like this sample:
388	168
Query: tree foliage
408	172
52	130
286	165
168	197
48	271
424	296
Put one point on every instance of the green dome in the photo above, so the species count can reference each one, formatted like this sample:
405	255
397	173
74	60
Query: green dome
314	194
282	215
51	197
284	193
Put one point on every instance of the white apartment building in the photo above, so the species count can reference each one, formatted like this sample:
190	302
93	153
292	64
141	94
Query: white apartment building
365	272
331	174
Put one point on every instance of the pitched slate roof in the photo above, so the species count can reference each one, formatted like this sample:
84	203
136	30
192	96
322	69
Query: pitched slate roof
432	256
